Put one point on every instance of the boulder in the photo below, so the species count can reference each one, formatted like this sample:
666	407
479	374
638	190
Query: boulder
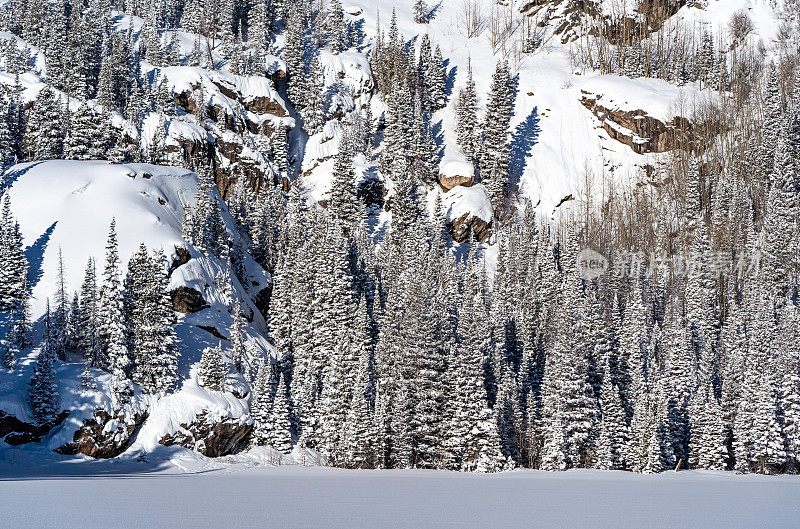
461	228
16	432
103	436
182	256
187	300
213	438
449	182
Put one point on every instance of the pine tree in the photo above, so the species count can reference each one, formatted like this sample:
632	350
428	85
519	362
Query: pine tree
466	116
58	327
17	338
44	133
260	406
613	435
344	203
237	333
420	12
88	319
43	395
282	436
213	370
499	110
337	28
84	140
112	330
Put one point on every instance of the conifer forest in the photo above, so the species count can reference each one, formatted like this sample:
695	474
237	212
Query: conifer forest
472	235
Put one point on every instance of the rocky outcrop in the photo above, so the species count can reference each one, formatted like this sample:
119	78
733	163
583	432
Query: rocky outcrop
182	256
646	134
449	182
255	115
262	300
461	228
103	436
570	17
213	438
16	432
187	300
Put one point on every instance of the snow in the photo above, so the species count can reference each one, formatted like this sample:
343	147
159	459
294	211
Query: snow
170	412
473	200
156	493
659	99
456	166
68	205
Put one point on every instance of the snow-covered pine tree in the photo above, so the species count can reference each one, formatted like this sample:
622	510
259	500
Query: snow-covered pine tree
313	110
13	264
112	330
43	395
88	323
613	436
164	362
282	435
84	140
438	80
261	406
337	27
17	338
59	319
44	134
344	203
421	12
499	109
466	116
239	353
213	369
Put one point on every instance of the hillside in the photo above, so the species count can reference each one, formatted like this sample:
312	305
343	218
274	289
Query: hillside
476	236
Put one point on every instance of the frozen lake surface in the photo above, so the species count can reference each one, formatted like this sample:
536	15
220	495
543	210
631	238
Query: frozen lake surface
114	494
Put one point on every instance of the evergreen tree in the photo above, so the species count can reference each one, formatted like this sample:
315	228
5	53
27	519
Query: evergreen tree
43	395
213	370
112	330
420	12
279	418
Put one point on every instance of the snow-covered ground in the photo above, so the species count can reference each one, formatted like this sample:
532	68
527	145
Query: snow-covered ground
130	493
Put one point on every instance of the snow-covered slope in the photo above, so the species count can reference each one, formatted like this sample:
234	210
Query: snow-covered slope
555	139
66	207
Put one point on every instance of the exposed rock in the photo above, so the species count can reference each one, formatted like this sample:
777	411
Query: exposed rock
103	436
224	141
570	18
213	438
449	182
213	331
16	432
646	134
461	228
187	300
182	256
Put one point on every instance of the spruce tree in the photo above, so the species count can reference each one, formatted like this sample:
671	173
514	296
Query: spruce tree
213	369
112	329
43	395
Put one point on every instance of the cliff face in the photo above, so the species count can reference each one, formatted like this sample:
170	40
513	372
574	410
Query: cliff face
645	134
571	18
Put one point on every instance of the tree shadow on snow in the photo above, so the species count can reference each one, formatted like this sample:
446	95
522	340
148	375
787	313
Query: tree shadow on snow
525	136
9	178
450	78
35	256
433	12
